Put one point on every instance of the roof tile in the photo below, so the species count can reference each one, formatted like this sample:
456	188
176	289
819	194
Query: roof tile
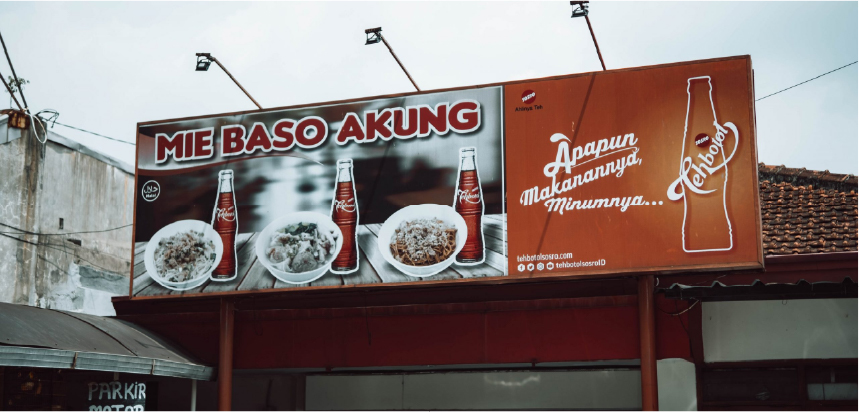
807	211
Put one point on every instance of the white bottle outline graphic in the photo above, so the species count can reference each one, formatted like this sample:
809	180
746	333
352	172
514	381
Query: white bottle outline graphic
672	190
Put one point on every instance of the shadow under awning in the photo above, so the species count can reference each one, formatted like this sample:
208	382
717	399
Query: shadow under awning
46	338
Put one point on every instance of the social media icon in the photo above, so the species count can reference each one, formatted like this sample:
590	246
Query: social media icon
540	266
550	266
521	267
530	267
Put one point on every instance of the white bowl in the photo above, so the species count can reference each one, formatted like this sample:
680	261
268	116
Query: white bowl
170	230
444	213
323	222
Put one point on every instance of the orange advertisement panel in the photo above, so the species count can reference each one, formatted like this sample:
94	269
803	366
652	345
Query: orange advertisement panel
632	171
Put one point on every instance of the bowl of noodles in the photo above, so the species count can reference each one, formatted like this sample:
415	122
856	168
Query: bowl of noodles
183	254
422	240
299	247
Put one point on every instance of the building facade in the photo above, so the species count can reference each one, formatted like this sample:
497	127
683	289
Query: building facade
784	338
66	215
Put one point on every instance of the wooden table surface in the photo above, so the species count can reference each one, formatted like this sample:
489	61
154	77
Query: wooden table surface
373	268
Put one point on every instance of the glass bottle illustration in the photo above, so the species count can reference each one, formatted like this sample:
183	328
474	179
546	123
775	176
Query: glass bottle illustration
344	213
468	202
225	221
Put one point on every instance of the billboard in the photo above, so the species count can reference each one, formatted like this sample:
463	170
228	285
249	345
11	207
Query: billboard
628	171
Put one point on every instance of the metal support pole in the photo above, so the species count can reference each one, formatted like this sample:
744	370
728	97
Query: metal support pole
193	395
225	356
647	335
234	80
595	41
398	62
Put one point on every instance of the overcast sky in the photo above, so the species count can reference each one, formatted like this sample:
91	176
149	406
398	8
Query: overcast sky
107	66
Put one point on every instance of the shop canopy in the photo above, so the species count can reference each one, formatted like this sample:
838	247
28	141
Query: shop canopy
46	338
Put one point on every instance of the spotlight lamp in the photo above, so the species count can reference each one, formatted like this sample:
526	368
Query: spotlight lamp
580	8
204	60
373	35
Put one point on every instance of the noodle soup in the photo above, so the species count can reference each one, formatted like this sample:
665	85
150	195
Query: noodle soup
421	240
299	247
182	255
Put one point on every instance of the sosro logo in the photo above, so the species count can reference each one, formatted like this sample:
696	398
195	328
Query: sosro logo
469	196
150	191
529	96
228	214
345	205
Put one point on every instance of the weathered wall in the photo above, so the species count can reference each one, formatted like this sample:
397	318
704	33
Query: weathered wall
12	202
89	196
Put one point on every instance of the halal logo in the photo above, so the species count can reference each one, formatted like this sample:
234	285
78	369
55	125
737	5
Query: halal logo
150	191
528	96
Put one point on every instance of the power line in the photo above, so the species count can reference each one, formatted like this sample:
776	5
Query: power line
93	133
791	87
15	76
49	246
26	232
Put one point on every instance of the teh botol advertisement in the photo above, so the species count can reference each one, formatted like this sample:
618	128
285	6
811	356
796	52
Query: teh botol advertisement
638	170
634	171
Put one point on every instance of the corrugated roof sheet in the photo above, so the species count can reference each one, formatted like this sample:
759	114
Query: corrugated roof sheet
37	337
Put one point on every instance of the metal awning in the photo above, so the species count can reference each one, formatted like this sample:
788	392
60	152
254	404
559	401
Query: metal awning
803	276
46	338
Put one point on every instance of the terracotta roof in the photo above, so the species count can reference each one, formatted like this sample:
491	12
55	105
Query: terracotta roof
807	211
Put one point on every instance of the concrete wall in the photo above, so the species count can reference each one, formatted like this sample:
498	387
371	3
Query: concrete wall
13	201
772	329
41	184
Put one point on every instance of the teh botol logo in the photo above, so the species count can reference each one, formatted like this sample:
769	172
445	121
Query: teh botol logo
703	176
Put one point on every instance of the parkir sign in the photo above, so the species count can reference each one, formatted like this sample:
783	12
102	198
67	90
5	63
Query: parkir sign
650	169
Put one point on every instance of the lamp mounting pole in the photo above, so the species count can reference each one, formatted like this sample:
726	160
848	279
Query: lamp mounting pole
374	36
580	9
214	59
595	41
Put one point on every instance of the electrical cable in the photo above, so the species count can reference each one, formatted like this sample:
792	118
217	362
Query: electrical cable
791	87
25	232
49	246
33	120
94	133
11	93
8	59
682	311
26	108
